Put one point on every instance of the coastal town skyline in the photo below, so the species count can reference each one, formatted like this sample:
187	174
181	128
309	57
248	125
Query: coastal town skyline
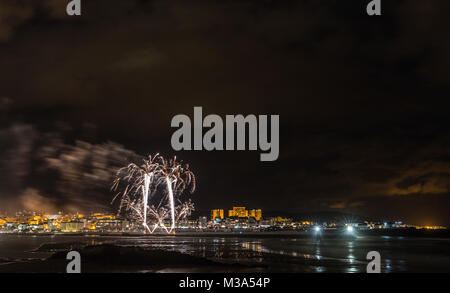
38	221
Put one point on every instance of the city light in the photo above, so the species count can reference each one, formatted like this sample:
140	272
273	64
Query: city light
237	219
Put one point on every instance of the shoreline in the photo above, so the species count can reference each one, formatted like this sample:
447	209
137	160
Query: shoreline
288	233
124	259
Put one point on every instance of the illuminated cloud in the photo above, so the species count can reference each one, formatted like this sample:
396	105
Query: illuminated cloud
39	169
31	200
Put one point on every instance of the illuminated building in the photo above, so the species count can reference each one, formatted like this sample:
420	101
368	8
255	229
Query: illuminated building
107	224
218	213
22	226
239	212
53	217
101	216
280	221
92	226
35	220
257	214
74	226
202	222
11	220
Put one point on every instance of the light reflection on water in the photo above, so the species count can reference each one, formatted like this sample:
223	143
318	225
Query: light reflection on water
279	254
398	254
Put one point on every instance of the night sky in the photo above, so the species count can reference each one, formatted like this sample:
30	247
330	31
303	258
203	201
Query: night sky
363	101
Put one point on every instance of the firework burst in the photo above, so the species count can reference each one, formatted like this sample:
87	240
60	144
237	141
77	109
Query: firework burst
138	198
177	178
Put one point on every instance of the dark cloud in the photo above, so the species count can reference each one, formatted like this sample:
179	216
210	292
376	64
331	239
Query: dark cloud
15	160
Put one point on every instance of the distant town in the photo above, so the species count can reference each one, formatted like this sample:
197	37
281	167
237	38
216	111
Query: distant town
236	219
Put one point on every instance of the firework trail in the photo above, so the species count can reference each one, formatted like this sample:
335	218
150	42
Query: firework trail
184	210
177	178
137	179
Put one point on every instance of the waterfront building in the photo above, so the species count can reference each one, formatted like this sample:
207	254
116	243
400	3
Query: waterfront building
256	214
240	212
101	216
108	224
217	213
73	226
